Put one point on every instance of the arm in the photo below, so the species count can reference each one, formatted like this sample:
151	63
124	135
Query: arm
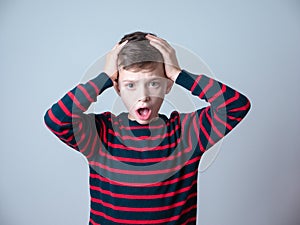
227	108
66	118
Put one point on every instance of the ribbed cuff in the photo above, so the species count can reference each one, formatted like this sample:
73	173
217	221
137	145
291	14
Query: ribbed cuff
186	79
102	81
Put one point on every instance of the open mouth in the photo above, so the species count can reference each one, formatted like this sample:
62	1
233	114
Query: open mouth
143	113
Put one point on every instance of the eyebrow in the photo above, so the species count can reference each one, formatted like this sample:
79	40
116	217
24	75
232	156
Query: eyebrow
129	80
137	80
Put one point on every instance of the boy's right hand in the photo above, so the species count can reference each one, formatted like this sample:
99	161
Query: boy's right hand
111	64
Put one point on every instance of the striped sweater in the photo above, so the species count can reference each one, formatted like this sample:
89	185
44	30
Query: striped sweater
145	174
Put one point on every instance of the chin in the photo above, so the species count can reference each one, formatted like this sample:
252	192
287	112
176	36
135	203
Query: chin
143	122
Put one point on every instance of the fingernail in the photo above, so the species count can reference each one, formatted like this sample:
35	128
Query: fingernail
124	42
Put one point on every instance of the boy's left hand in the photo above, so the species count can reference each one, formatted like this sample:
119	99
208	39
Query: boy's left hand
171	64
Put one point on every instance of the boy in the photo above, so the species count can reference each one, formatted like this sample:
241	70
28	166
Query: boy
143	165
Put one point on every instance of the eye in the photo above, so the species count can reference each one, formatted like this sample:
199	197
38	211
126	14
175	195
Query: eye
154	84
129	85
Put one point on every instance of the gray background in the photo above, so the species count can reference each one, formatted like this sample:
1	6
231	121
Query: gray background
46	47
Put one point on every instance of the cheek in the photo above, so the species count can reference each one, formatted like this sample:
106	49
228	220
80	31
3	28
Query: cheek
125	94
156	104
159	93
161	90
128	98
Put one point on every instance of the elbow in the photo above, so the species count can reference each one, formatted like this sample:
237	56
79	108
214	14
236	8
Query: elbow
246	106
47	121
50	121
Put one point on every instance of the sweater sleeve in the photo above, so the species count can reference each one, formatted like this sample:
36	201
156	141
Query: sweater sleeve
69	122
227	108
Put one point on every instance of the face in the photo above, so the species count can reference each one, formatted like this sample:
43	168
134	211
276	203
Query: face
143	92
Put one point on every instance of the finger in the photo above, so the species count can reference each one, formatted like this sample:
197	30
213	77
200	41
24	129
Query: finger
162	48
120	45
157	39
161	45
154	37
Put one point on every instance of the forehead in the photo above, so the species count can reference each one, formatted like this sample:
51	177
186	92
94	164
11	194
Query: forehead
141	74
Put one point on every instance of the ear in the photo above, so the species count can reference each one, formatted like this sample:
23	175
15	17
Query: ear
169	85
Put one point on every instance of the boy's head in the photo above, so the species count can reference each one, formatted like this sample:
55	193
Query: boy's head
142	83
138	54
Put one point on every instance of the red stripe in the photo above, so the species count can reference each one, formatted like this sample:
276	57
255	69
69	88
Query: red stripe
196	82
203	129
143	127
66	110
234	118
228	101
220	92
196	128
189	220
186	222
104	131
75	100
213	125
84	148
135	160
92	148
162	183
150	172
59	133
121	146
140	222
79	130
94	86
242	108
209	85
93	222
55	119
68	139
86	94
81	138
143	209
139	127
146	160
96	140
126	137
143	197
228	126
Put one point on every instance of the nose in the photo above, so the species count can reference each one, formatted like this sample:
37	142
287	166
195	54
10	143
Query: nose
144	94
145	99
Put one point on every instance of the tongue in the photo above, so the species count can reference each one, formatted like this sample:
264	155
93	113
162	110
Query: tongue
143	111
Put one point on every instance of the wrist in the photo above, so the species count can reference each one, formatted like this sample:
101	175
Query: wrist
175	74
